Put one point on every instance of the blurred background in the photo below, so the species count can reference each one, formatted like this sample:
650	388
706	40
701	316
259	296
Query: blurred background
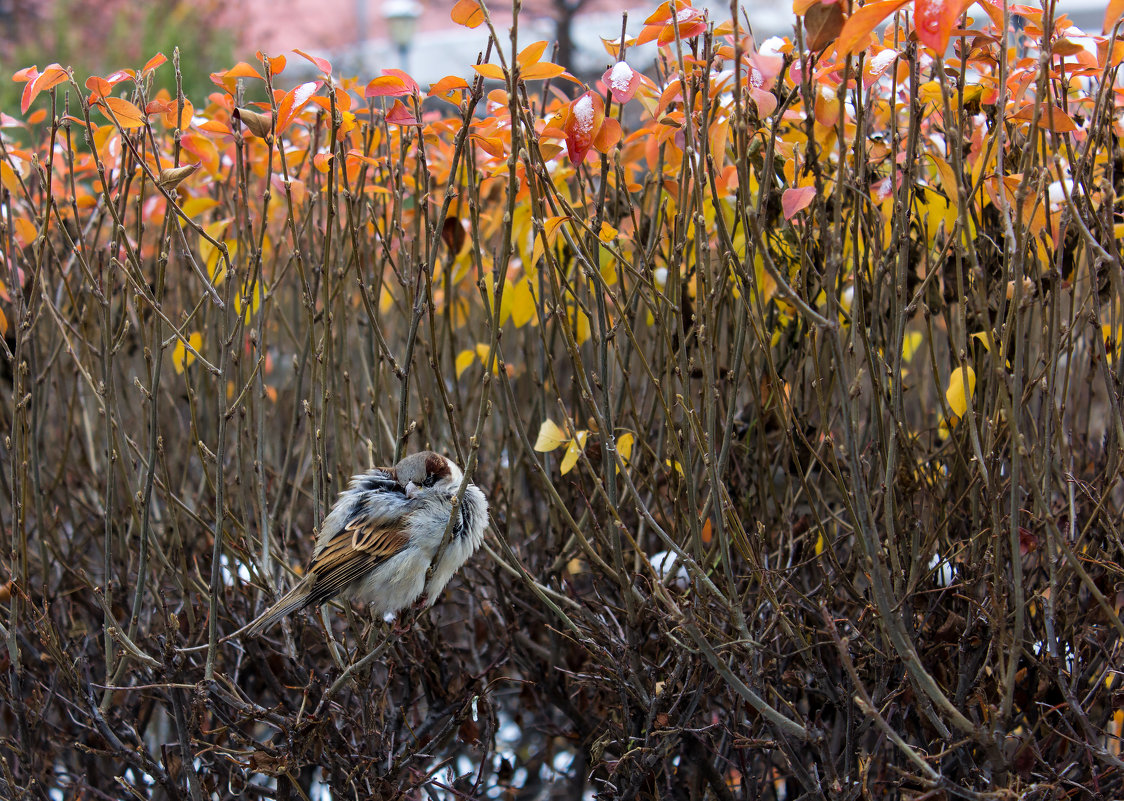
360	37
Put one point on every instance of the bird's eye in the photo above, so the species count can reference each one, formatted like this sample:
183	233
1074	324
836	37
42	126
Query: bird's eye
430	480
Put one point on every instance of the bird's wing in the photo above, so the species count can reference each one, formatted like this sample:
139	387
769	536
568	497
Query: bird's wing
362	545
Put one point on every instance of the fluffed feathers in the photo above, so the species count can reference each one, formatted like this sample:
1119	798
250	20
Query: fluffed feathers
379	539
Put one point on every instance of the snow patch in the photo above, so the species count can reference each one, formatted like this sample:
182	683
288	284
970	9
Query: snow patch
620	77
584	114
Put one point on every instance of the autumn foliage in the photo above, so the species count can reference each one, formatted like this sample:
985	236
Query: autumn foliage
790	368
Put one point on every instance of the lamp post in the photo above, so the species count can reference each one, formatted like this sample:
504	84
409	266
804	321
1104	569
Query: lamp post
401	19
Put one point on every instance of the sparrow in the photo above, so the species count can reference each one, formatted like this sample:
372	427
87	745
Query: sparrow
379	539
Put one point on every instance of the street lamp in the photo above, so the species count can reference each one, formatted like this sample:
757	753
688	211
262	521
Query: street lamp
401	18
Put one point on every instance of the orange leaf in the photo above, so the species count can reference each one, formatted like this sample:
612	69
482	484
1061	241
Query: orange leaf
174	118
48	78
243	70
793	200
530	54
293	103
411	84
153	63
322	64
468	13
450	89
386	86
1050	118
321	161
1112	14
542	70
128	115
690	23
663	13
447	84
276	63
492	71
492	145
858	27
607	135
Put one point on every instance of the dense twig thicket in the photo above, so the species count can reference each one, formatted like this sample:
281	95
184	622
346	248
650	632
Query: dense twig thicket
790	370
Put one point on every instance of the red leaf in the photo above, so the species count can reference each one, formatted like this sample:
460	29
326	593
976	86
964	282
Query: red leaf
858	27
586	114
793	200
322	64
622	81
934	21
400	115
468	13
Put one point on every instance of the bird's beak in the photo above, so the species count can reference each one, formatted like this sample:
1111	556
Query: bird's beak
412	489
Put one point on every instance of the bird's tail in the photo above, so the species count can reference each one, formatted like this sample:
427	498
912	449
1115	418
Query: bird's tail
295	599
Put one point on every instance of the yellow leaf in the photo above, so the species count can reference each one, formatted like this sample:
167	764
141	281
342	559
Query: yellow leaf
819	544
550	436
195	206
573	451
608	233
8	178
522	302
961	387
624	445
208	252
386	299
580	322
550	230
464	360
254	302
181	357
910	345
674	464
483	352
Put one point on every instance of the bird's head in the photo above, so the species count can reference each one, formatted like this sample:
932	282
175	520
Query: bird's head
427	471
